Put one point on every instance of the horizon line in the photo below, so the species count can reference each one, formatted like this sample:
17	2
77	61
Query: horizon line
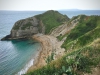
54	9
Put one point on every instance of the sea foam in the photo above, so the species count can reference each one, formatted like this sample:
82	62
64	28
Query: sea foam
25	69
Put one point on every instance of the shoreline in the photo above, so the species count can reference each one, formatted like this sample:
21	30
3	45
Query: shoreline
49	44
29	63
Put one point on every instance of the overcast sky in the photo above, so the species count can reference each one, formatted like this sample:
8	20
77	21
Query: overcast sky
49	4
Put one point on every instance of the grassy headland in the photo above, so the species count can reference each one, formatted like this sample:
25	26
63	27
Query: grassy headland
52	19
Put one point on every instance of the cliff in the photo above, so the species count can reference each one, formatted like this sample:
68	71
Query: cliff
25	27
42	23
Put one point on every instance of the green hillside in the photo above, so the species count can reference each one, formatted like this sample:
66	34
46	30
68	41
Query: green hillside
52	19
82	50
84	33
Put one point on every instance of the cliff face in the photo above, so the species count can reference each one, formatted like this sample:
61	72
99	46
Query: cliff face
25	27
42	23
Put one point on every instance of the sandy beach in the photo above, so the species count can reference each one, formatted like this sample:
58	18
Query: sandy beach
49	44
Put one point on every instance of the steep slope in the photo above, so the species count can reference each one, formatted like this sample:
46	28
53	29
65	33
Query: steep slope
84	33
52	19
25	27
42	23
64	28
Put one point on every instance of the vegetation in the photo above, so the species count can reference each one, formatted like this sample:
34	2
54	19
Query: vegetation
51	19
84	33
26	26
82	50
75	63
50	58
17	25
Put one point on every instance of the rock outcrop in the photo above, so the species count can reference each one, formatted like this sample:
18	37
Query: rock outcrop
42	23
25	28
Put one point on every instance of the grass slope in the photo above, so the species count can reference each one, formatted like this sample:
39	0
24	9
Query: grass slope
51	19
82	50
84	33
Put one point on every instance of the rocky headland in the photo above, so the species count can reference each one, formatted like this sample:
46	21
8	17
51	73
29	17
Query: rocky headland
26	28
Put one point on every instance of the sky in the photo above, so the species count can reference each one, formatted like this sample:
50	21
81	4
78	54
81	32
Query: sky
49	4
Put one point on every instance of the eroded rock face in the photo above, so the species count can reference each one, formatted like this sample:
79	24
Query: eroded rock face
26	28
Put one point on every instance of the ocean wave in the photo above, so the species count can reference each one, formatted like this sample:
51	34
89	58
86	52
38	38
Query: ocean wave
25	69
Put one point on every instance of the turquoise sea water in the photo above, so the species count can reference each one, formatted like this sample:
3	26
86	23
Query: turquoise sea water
16	56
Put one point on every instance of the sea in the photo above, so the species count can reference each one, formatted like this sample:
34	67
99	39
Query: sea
16	56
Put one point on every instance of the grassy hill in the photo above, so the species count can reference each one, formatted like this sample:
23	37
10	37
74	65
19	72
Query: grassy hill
84	33
82	47
52	19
